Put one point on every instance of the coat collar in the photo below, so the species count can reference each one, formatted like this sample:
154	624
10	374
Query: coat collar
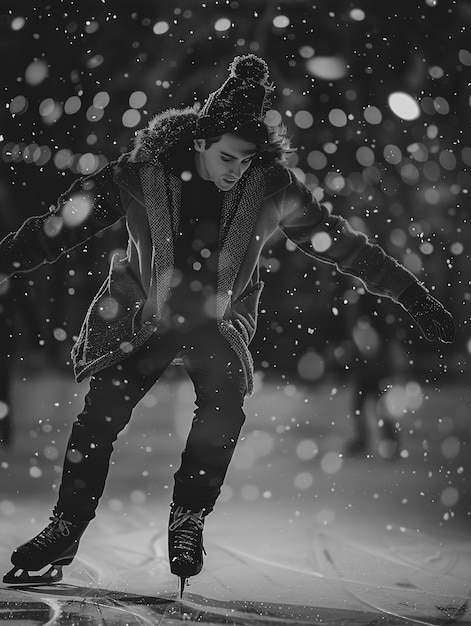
162	133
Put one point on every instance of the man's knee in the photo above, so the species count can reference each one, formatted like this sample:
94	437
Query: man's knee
104	420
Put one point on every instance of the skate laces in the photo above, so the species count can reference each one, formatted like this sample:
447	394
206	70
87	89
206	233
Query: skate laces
189	525
58	526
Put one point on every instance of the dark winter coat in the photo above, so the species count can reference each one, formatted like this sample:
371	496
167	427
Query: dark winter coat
140	189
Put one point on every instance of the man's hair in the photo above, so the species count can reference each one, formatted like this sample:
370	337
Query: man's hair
276	150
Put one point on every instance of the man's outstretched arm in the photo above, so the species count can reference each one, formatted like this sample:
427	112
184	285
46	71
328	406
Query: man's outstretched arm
91	204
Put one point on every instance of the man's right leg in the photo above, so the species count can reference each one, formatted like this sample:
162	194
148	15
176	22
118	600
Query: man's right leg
113	394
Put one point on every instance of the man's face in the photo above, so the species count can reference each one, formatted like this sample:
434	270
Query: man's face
224	162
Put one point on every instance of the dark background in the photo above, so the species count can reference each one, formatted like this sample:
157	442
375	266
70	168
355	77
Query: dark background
70	73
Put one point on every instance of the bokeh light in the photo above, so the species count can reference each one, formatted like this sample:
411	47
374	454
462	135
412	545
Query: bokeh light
137	99
303	119
131	118
76	209
311	366
223	24
303	480
373	115
317	160
327	68
281	21
403	105
321	241
18	105
101	100
17	23
331	463
36	72
160	28
357	14
307	449
53	226
273	118
338	118
108	307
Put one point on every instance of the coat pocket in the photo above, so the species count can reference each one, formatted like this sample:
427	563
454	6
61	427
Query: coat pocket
245	311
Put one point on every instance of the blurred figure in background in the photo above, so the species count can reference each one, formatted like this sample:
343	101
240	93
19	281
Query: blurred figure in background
377	357
6	358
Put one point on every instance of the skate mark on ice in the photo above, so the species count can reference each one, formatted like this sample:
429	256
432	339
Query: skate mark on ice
246	559
63	605
250	613
249	562
391	585
406	585
243	589
70	604
425	553
237	588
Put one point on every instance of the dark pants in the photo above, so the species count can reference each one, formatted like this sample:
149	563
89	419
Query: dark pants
219	384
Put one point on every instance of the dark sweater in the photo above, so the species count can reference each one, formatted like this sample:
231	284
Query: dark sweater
192	301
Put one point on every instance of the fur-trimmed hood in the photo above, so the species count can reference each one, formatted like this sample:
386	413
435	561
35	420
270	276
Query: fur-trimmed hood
163	132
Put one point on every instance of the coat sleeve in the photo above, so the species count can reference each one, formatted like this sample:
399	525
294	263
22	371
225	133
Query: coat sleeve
91	204
330	238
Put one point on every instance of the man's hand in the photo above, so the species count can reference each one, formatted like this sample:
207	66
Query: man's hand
428	313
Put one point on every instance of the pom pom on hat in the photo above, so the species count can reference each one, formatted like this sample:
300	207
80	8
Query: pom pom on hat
249	67
240	102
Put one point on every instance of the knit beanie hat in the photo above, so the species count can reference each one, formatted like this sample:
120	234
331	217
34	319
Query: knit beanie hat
240	103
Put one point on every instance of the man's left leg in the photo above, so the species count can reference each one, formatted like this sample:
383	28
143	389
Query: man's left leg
219	383
220	387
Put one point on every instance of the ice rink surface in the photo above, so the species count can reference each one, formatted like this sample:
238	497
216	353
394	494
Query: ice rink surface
301	535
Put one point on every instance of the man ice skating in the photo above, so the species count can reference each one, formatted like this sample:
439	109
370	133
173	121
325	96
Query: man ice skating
201	193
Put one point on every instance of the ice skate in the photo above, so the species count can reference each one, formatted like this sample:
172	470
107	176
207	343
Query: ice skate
185	543
52	548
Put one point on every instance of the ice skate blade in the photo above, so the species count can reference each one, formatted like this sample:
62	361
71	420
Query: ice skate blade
183	581
19	576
